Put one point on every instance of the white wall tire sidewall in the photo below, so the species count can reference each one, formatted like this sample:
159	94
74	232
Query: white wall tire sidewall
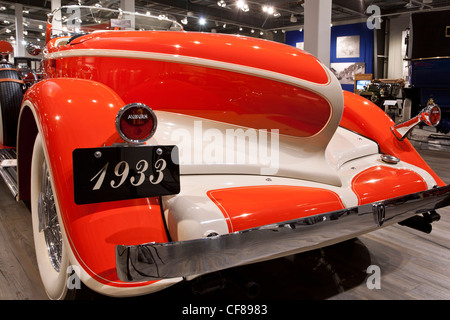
55	283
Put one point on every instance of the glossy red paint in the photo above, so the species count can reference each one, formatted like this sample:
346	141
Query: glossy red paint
210	93
93	230
362	116
243	209
245	51
371	185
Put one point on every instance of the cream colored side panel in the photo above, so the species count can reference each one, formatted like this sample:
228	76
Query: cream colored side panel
211	147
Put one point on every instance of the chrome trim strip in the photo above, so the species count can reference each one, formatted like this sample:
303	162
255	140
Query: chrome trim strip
194	257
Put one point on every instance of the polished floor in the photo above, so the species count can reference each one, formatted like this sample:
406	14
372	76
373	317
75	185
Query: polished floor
411	265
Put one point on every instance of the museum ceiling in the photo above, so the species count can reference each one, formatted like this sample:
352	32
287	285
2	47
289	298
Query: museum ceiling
250	17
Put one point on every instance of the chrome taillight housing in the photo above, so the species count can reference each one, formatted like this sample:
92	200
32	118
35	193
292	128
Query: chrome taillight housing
136	123
430	115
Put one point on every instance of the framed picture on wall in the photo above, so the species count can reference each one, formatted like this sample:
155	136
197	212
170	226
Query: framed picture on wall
347	47
345	71
362	81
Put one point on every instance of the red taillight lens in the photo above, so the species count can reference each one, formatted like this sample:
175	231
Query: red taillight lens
136	123
435	115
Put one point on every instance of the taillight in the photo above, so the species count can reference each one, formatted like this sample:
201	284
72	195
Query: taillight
136	123
434	115
430	115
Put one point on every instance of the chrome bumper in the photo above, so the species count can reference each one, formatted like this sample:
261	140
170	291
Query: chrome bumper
194	257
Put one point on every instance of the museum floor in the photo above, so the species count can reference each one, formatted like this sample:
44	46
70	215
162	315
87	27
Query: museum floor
413	265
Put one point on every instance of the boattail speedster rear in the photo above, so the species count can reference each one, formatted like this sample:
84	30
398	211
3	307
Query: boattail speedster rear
173	154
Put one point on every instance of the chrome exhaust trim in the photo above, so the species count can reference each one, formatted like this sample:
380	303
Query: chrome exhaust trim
154	261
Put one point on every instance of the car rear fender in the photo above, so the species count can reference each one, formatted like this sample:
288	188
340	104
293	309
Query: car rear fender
365	118
70	114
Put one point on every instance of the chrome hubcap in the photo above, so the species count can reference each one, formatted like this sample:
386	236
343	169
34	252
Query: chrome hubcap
48	220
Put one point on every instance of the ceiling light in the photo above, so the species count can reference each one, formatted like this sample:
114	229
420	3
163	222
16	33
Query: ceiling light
293	18
268	9
409	5
241	4
184	21
202	21
221	3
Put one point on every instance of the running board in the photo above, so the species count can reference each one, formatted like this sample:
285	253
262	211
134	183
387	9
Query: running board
8	169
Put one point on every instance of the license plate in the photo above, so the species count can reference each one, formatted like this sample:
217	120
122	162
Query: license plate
120	173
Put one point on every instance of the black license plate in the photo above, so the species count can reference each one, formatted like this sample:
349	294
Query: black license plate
120	173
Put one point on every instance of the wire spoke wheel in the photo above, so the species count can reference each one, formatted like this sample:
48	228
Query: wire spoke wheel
48	220
51	255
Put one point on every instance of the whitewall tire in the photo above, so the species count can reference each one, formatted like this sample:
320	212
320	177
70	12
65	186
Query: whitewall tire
51	255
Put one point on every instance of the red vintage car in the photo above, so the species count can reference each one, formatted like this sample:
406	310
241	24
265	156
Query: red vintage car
151	155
